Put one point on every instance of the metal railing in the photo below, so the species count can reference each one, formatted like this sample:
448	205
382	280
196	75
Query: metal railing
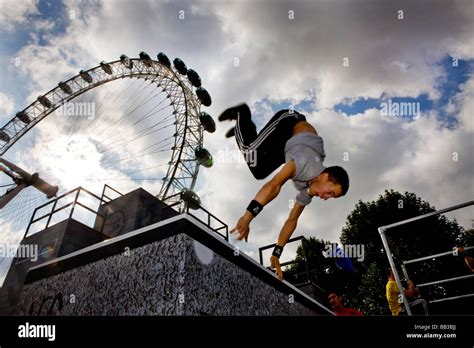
104	199
305	244
54	210
185	208
383	230
103	196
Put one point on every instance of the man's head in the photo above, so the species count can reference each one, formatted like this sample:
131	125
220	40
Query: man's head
335	299
333	182
390	275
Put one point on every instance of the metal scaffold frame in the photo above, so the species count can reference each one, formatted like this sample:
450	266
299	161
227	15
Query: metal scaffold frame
383	235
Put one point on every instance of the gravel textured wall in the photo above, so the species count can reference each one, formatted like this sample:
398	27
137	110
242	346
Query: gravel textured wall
174	276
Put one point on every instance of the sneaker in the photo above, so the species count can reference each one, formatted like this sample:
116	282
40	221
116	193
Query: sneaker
230	113
230	133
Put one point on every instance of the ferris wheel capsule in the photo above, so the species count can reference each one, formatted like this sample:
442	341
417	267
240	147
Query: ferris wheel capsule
203	157
85	75
194	78
4	137
44	101
163	59
191	198
106	67
180	66
23	117
126	61
65	88
207	122
145	58
203	96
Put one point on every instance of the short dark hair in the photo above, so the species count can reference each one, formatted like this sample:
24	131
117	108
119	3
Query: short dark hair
389	272
337	292
338	175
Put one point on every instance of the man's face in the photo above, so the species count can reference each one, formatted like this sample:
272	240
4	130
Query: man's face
334	300
325	189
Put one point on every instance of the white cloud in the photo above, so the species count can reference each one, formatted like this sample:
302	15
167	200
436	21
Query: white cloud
7	107
43	25
465	103
385	55
15	13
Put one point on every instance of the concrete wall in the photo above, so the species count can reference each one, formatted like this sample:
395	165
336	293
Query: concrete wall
173	276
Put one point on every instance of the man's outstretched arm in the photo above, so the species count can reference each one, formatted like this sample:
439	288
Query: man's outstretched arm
285	234
265	195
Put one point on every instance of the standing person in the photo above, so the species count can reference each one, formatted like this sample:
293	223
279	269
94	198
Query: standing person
290	140
393	295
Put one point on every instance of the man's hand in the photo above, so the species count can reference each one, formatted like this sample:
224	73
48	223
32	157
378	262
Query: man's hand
242	227
275	263
264	196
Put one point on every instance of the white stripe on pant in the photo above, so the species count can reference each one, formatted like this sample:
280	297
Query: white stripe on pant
262	136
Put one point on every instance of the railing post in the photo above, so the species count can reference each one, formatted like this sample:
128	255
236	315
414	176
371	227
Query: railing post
405	272
394	269
51	213
74	204
28	228
303	243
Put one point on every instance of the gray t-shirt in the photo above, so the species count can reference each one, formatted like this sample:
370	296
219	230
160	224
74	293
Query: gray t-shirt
307	151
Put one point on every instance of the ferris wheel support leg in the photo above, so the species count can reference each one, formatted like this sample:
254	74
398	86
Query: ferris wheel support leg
10	195
31	179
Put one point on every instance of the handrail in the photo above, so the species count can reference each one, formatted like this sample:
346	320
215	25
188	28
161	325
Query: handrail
209	215
434	256
75	202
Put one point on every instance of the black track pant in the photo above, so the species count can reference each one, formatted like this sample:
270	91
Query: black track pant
265	152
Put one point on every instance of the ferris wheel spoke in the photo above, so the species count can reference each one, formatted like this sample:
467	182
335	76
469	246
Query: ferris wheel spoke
112	132
148	130
133	138
77	119
140	154
125	101
151	112
124	135
119	163
138	99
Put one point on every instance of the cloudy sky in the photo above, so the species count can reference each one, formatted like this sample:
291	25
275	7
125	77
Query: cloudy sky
338	62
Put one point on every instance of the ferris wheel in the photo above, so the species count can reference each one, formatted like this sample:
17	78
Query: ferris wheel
128	123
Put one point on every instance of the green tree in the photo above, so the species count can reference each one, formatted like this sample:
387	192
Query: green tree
312	262
421	238
310	259
467	238
366	287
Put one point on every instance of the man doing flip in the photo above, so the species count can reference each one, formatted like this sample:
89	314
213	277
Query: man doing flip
290	140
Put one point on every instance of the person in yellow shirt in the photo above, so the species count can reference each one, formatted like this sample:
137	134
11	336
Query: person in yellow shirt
393	295
467	259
